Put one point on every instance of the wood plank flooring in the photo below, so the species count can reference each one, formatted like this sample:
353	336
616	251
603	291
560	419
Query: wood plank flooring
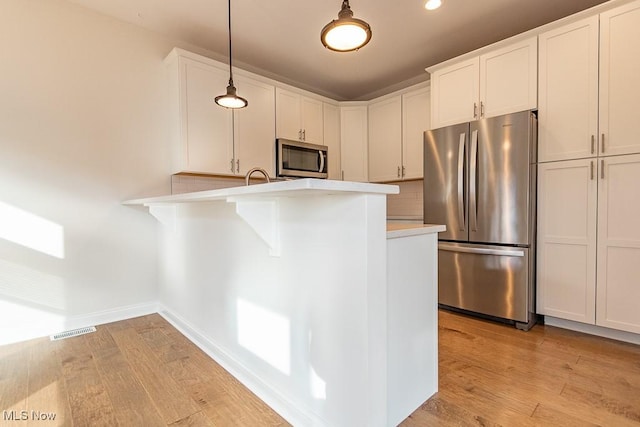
143	372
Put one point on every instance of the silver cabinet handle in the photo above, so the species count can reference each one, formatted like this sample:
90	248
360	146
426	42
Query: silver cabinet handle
300	134
231	165
602	141
473	208
321	161
480	251
481	109
238	166
591	168
475	110
461	148
398	171
593	144
602	169
403	171
342	175
304	134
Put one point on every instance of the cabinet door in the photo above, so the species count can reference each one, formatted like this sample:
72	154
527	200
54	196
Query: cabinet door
568	90
254	131
331	115
288	118
619	244
312	121
509	79
353	143
385	140
619	82
206	128
566	252
416	111
454	92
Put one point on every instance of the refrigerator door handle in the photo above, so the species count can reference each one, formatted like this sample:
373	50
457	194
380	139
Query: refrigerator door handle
481	251
461	149
473	209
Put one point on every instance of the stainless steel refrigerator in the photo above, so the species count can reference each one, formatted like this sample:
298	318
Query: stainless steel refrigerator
480	181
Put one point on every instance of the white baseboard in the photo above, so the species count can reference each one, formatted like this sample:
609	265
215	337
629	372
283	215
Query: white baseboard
53	323
273	398
593	330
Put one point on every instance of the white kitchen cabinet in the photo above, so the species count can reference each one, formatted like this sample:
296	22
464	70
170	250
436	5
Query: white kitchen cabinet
619	83
396	136
497	82
254	127
385	140
589	88
353	142
416	112
202	131
570	194
299	117
332	139
566	250
210	139
568	90
618	286
454	93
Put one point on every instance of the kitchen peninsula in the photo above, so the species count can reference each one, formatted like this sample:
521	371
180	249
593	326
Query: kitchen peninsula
299	291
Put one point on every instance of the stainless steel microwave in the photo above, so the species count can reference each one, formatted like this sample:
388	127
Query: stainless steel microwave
300	159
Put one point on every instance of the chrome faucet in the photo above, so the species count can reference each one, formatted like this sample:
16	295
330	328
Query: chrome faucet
247	177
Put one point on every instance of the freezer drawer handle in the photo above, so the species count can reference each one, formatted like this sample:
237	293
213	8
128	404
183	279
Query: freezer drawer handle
481	251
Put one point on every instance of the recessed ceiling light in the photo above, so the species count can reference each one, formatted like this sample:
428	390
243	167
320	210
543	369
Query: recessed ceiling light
432	4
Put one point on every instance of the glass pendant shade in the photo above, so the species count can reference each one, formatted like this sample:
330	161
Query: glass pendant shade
346	33
231	98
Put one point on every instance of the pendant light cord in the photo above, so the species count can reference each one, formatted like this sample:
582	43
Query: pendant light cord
230	60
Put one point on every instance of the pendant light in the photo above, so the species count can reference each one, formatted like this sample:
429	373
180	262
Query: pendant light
231	98
346	33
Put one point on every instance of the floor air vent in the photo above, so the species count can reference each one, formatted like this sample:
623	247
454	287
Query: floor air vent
73	333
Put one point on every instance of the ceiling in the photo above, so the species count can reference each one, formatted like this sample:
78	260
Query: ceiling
281	38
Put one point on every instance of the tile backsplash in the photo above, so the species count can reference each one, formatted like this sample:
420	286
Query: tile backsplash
187	183
409	203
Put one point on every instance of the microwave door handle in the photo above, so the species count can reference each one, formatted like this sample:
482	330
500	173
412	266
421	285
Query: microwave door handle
321	161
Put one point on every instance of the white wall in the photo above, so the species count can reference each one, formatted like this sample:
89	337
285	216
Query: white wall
83	126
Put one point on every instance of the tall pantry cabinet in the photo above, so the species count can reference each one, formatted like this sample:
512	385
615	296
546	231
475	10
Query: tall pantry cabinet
589	170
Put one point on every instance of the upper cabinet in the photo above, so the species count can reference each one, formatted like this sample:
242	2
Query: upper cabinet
498	82
396	132
210	139
299	117
385	140
416	113
331	116
619	83
353	142
582	113
254	127
202	131
568	90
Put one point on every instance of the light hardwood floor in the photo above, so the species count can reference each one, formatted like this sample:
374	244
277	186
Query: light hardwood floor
143	372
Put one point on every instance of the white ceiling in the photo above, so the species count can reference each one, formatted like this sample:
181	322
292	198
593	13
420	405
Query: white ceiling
281	38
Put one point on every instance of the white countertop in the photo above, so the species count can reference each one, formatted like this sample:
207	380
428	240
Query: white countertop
403	229
292	188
